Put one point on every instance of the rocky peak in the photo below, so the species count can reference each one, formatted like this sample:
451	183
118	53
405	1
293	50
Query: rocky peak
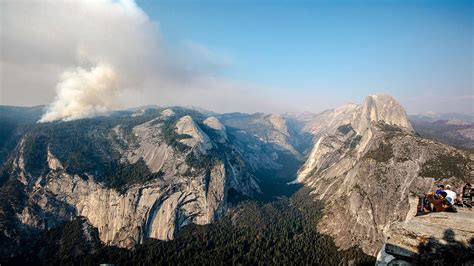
197	138
168	112
279	123
364	166
360	120
139	178
375	108
381	108
331	119
215	124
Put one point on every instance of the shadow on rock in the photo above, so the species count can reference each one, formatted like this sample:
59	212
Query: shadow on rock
447	251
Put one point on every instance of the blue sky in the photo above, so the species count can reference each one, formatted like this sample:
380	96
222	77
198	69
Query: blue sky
421	52
239	55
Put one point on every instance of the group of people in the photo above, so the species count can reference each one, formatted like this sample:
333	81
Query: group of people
444	199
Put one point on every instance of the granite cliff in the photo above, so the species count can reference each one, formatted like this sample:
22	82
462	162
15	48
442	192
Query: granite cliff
147	173
133	179
365	165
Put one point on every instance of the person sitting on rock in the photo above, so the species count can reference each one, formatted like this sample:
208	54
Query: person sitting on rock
424	205
440	203
451	195
467	196
440	188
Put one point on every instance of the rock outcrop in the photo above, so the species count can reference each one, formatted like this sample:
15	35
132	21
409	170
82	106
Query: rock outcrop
220	129
366	168
149	173
266	136
378	108
438	238
197	138
189	176
360	120
331	119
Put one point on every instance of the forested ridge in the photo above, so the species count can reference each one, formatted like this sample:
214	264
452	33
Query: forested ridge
252	233
88	147
279	228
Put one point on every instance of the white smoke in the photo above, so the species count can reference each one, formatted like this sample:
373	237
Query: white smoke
44	40
85	93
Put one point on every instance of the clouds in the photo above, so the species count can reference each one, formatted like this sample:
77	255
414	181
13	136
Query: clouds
69	51
41	41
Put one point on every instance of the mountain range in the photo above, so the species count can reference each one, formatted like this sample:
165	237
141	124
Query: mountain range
454	129
149	173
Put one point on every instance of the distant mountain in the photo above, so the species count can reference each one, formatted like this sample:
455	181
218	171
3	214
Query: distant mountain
453	129
12	120
454	117
270	128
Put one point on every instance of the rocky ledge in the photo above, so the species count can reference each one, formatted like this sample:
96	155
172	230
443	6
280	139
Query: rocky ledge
441	238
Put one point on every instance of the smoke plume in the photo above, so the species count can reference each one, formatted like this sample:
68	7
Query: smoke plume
48	48
84	93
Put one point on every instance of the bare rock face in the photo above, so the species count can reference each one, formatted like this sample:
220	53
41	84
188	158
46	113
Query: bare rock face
282	135
148	175
53	162
215	124
168	112
366	170
150	147
151	211
199	139
118	217
192	175
361	120
331	119
264	135
138	113
427	237
279	123
376	108
384	108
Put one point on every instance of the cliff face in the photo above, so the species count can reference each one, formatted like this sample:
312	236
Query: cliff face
182	175
137	175
366	170
147	174
354	123
271	130
380	107
154	210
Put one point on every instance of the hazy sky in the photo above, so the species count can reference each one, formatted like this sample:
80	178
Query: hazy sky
244	55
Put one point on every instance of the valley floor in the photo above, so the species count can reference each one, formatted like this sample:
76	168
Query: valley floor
253	232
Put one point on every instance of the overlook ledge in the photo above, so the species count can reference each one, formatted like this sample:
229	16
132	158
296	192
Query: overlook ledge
438	237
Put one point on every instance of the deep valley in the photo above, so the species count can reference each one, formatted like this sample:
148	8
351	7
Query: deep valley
179	186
